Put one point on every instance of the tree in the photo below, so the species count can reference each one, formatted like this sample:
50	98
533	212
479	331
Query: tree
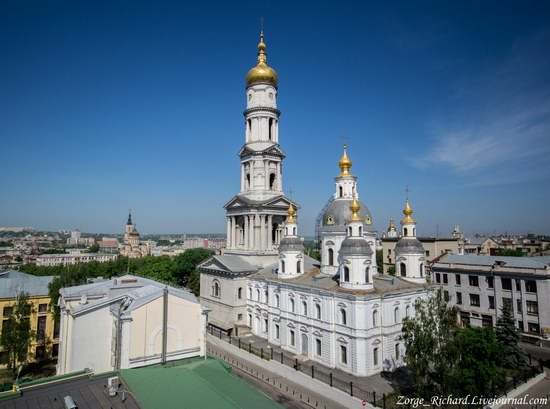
430	349
186	272
16	332
508	336
477	371
510	253
94	248
379	258
391	270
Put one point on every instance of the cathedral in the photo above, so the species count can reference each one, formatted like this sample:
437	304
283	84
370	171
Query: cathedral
340	311
132	246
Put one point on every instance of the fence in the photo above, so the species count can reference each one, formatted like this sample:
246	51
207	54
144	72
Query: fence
310	370
380	400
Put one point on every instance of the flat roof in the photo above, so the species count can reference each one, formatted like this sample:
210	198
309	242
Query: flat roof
195	384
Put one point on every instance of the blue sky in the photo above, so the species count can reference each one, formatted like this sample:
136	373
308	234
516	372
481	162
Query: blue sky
106	106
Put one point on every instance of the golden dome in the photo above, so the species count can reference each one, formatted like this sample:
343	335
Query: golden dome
291	213
407	211
345	164
355	211
392	226
262	72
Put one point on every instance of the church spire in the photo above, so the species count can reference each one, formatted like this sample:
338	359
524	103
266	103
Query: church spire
129	217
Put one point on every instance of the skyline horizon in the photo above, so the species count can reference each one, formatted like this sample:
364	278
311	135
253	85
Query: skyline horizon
109	108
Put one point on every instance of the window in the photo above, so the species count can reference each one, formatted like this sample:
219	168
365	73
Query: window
457	279
56	328
55	350
519	306
486	320
408	311
531	286
506	284
277	300
421	269
403	270
317	311
520	326
272	182
330	257
459	298
346	274
250	320
292	338
533	327
266	296
473	281
490	282
343	354
446	296
277	331
265	325
343	317
249	293
491	302
532	307
341	191
375	356
257	294
292	305
239	317
282	266
374	318
42	308
437	278
298	269
318	347
406	232
240	293
40	352
41	328
474	300
367	274
427	253
507	303
445	279
8	311
304	307
397	355
518	285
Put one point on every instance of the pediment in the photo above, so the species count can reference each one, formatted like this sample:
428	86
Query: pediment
268	148
237	202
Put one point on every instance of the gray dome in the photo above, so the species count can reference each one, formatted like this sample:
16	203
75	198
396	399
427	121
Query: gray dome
409	245
291	244
338	212
355	246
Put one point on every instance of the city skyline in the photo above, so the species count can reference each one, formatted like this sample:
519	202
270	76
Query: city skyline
108	108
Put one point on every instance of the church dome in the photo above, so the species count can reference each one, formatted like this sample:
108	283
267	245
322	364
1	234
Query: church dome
336	215
409	245
291	244
262	73
356	246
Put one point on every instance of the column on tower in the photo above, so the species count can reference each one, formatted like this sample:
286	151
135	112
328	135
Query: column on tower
262	231
278	175
266	173
269	231
245	228
228	236
251	186
256	232
243	171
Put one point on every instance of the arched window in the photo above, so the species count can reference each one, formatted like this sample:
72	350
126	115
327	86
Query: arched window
330	257
257	295
403	269
414	231
304	307
346	274
294	231
317	311
341	191
270	127
298	269
292	305
397	352
349	230
406	232
276	300
266	296
360	230
374	318
272	181
216	290
248	181
407	311
240	293
249	293
343	317
421	269
282	266
367	274
396	316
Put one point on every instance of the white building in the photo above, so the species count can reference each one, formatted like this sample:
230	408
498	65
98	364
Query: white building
73	258
127	322
481	285
339	312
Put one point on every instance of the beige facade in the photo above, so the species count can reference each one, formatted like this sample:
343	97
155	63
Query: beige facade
434	247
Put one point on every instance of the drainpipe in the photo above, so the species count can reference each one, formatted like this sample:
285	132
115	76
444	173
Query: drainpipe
164	325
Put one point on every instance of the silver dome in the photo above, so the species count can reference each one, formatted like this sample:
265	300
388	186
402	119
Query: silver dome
338	212
409	245
356	246
291	244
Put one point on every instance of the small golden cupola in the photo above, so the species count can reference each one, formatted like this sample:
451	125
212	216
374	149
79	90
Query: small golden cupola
345	164
355	207
291	212
392	226
262	73
407	211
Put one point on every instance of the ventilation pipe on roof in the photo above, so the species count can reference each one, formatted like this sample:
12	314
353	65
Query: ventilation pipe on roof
164	324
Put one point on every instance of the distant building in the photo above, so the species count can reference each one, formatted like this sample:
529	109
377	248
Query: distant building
17	229
12	284
132	246
216	243
128	322
108	246
76	239
71	259
481	285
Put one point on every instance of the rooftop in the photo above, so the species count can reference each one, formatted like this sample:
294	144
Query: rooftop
541	262
14	282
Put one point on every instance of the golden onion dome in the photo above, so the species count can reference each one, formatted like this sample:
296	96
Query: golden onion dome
291	212
407	211
262	73
392	226
345	164
355	211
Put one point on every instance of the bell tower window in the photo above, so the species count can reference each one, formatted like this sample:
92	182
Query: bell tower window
346	274
270	127
330	257
272	181
248	181
341	191
403	270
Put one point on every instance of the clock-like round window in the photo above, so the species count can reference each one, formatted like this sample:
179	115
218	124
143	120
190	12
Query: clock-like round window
330	220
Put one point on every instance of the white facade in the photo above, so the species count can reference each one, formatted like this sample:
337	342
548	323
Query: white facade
127	322
71	259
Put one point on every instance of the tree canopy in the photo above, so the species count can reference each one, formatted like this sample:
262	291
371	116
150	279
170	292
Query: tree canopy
508	336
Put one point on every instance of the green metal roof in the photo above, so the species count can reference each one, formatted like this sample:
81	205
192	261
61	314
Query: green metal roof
194	383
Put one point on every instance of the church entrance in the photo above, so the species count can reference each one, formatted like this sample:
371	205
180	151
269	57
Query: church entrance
304	345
